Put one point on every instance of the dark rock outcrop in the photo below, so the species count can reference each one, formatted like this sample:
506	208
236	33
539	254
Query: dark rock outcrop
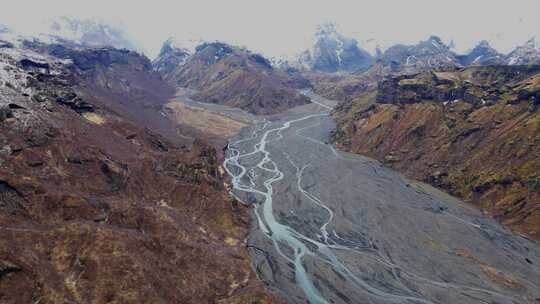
477	86
473	132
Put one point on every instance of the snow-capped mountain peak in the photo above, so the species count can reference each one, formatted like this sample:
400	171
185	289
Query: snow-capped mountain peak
427	54
484	44
327	30
333	52
175	52
527	53
482	54
187	44
3	28
10	37
85	32
531	43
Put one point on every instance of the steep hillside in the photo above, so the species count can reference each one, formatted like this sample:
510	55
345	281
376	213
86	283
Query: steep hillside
238	78
101	200
343	87
474	132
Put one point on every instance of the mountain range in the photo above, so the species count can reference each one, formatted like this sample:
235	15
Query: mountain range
330	50
113	182
76	32
231	76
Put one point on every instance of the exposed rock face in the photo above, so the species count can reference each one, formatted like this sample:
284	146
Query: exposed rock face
525	54
482	54
332	52
425	55
98	202
476	86
473	132
170	57
343	87
236	77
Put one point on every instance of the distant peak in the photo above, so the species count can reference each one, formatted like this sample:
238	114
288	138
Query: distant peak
4	29
327	27
531	43
484	44
186	43
221	47
87	32
378	52
435	39
63	24
168	47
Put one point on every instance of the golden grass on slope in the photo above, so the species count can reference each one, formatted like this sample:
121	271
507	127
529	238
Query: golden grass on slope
531	84
94	118
204	120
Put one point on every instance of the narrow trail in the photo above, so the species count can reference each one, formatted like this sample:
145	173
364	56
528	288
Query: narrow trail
334	232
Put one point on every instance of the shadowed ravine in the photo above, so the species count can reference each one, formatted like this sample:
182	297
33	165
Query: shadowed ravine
331	227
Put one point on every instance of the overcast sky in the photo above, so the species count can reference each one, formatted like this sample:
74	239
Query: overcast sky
274	27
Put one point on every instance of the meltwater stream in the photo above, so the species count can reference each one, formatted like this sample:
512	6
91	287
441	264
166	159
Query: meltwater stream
277	232
333	228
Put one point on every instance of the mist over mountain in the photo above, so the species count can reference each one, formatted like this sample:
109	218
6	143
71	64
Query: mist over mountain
76	32
87	32
234	152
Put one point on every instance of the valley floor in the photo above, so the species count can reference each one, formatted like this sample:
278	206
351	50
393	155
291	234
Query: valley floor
333	227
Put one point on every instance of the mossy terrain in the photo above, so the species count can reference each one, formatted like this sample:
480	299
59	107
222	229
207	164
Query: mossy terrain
474	133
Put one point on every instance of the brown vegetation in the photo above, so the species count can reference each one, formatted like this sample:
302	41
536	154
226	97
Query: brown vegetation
103	201
473	132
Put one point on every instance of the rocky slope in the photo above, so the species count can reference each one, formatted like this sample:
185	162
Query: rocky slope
529	53
333	52
482	54
343	87
408	59
238	78
101	199
473	132
174	52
